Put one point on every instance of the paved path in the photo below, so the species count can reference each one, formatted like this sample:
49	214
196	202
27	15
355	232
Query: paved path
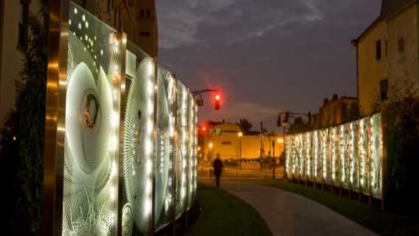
288	214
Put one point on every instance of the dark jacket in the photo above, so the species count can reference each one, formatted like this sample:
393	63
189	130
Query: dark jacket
218	166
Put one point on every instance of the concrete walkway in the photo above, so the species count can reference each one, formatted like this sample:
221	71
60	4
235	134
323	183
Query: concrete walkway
288	214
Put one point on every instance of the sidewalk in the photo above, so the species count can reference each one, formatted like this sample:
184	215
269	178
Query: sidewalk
288	214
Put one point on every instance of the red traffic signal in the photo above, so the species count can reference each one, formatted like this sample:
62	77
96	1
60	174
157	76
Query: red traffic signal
204	128
217	102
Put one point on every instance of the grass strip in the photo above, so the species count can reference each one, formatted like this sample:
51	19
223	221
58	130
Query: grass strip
225	214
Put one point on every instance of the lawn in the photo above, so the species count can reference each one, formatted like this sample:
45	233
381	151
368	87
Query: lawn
382	222
225	214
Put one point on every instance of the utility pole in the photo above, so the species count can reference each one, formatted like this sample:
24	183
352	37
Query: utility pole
261	145
273	159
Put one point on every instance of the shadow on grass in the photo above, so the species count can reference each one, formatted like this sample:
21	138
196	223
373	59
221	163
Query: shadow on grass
224	214
382	222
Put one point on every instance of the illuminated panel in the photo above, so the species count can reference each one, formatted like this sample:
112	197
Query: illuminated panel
184	146
182	149
363	145
309	155
376	149
301	158
343	153
324	154
294	154
191	145
92	126
316	154
138	146
170	86
288	154
164	149
334	154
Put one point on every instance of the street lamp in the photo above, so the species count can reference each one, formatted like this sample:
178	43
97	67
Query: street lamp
240	150
210	146
280	140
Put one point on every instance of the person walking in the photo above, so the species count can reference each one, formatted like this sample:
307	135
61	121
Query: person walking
218	168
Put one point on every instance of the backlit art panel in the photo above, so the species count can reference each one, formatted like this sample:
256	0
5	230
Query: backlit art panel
182	139
91	127
164	144
348	156
138	147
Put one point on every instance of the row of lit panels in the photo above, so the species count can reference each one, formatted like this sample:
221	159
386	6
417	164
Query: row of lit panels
348	156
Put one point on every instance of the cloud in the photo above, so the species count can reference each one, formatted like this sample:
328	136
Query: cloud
185	22
266	55
178	32
179	21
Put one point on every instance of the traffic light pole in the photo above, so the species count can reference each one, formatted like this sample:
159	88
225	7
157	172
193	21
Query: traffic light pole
273	159
200	101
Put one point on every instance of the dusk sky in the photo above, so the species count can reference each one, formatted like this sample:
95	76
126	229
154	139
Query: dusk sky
264	55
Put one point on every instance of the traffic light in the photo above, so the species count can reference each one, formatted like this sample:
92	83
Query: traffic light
278	121
217	102
204	128
286	117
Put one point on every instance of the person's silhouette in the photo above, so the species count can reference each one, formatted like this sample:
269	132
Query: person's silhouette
218	168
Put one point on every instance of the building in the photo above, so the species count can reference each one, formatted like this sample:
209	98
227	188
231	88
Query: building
135	17
228	141
335	111
387	55
14	17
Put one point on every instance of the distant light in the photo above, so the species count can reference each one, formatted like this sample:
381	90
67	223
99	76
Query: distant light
217	97
280	140
14	138
240	134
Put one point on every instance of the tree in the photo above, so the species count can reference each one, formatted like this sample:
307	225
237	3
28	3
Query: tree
401	124
299	126
22	142
245	125
353	113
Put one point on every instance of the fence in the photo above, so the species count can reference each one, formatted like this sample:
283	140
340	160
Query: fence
348	156
124	138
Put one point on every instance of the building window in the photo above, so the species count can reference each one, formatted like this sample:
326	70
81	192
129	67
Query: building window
142	13
148	13
145	34
378	50
402	45
384	89
23	24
